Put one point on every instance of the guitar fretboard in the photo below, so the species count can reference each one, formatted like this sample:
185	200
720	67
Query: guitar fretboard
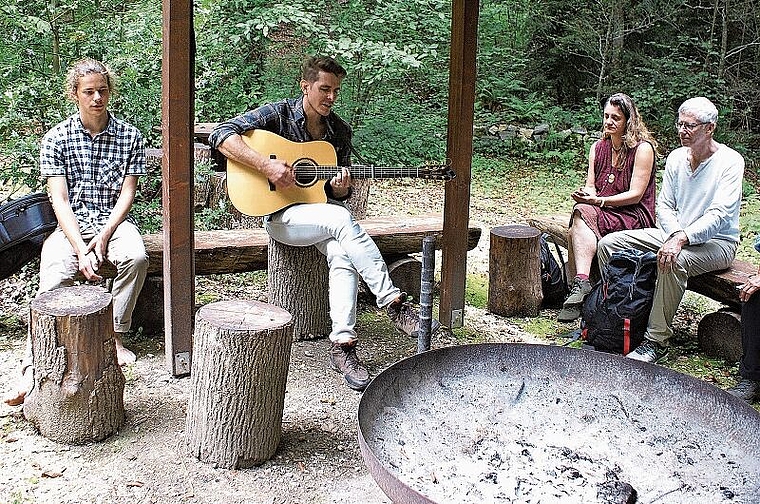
324	172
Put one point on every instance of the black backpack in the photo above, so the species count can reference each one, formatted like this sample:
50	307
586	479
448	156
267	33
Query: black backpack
614	315
24	224
553	284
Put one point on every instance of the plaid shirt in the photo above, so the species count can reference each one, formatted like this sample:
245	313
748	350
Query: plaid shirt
94	167
287	119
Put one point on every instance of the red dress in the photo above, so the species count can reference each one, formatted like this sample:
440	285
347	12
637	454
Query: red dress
610	181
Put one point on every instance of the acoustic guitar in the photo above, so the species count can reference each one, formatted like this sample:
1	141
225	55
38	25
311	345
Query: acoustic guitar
253	194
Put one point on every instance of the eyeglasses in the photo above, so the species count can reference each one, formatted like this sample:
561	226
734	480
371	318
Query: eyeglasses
687	126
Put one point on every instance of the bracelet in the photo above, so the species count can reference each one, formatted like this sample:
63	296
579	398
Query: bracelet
601	203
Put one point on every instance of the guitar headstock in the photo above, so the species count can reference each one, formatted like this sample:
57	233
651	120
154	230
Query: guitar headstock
436	172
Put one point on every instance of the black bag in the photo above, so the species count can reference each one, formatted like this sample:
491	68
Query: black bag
614	315
553	283
24	224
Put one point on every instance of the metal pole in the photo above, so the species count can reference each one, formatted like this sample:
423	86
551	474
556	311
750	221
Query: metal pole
426	293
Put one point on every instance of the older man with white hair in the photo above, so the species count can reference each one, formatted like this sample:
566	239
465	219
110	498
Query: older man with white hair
697	220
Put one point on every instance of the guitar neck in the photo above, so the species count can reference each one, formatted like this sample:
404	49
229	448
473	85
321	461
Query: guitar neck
368	172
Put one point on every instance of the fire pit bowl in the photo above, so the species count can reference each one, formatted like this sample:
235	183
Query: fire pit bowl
535	423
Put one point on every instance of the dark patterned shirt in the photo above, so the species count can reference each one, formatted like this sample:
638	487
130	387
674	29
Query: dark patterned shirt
287	119
94	167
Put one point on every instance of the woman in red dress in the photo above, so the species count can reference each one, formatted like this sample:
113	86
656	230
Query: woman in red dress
619	192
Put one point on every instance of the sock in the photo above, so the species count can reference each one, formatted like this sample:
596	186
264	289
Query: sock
581	276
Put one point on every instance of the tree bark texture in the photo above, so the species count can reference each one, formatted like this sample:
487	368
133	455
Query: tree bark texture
297	281
241	354
514	286
357	203
78	392
720	335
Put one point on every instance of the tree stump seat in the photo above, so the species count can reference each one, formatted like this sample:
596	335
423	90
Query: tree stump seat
78	391
514	271
719	333
241	354
297	281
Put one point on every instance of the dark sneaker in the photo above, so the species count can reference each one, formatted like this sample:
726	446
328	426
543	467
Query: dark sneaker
649	351
344	360
571	309
746	390
568	313
406	319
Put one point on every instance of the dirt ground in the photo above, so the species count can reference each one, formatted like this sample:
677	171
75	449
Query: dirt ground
318	459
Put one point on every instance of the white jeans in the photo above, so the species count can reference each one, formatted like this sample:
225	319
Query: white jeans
350	253
693	260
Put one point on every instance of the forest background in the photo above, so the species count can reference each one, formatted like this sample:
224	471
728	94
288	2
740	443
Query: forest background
548	62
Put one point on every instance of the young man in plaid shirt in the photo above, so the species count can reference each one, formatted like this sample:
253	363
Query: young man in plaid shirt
92	161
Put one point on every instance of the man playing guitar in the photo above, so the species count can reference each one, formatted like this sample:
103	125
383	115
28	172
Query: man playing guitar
329	226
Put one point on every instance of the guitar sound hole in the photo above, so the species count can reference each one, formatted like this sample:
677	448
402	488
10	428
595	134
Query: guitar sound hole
306	172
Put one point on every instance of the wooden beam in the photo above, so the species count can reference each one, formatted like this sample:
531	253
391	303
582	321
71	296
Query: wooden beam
456	209
177	112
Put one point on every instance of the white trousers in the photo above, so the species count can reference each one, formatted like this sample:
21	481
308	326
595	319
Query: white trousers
693	260
350	253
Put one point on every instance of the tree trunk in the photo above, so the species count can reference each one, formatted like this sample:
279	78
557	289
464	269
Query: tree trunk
514	286
357	203
78	392
297	281
241	354
720	335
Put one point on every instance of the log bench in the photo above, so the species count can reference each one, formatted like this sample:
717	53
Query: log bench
243	250
719	333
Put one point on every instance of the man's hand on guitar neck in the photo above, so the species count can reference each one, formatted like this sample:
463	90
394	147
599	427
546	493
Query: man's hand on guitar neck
341	183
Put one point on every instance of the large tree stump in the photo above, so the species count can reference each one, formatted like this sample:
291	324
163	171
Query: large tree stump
78	392
514	285
297	281
720	335
241	354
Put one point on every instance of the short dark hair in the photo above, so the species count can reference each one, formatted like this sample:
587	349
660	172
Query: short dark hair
312	65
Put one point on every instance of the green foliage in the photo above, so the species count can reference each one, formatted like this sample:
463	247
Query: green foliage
538	62
749	226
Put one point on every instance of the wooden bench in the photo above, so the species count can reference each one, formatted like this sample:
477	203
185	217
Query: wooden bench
718	333
243	250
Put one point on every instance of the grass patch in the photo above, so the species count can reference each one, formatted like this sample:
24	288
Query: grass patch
476	290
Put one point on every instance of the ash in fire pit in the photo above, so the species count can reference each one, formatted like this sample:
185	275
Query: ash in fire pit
528	423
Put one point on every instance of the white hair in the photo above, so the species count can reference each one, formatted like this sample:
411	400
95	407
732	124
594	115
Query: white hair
701	108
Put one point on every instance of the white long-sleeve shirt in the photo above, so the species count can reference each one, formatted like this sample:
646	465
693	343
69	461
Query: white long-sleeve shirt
703	203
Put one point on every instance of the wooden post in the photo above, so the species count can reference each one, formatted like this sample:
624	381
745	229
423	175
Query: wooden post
297	281
242	354
78	392
456	207
514	285
177	173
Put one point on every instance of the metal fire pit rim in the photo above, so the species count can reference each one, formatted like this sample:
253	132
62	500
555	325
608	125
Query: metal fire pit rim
400	492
